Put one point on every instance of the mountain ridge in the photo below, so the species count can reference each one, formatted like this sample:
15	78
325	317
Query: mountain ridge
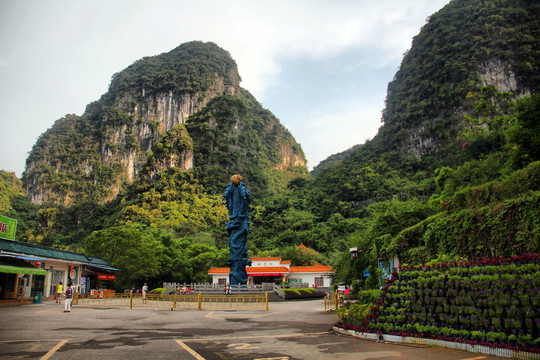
145	101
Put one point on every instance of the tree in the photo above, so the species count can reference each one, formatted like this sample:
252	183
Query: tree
300	255
524	135
202	257
136	255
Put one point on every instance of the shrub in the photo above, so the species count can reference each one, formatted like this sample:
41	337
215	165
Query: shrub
307	293
157	291
354	314
369	296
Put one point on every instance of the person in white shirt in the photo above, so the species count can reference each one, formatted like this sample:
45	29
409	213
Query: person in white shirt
144	291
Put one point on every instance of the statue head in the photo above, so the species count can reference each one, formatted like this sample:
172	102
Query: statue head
236	179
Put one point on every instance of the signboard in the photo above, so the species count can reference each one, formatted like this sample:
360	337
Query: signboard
366	273
8	226
106	277
83	284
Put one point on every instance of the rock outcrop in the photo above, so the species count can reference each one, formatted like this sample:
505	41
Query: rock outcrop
129	129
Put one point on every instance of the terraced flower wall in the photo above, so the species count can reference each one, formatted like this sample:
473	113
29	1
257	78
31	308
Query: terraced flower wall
494	302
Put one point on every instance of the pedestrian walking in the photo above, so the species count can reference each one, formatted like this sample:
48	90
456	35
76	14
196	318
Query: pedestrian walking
69	298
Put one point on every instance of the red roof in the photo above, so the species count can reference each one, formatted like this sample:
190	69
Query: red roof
216	270
311	269
306	249
267	269
252	270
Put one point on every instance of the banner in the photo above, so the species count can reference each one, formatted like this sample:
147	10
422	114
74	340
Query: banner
106	277
8	227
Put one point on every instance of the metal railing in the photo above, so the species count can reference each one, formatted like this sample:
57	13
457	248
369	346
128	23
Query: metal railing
244	301
206	287
333	301
198	301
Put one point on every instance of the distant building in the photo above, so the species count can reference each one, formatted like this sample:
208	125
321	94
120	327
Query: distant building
28	268
273	269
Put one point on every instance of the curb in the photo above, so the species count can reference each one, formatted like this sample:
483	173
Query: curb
507	353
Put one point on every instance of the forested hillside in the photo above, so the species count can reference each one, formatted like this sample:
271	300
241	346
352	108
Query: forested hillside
453	172
182	109
461	125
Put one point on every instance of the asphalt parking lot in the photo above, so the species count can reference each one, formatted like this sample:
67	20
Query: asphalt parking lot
288	331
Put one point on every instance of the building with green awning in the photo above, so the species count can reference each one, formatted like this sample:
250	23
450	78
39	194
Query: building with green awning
21	270
26	269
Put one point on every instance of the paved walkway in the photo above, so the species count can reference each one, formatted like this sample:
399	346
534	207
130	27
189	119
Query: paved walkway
289	330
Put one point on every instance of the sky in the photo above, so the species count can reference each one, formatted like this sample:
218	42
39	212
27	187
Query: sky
322	67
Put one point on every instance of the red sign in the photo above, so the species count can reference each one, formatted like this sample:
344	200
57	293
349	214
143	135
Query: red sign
106	277
266	274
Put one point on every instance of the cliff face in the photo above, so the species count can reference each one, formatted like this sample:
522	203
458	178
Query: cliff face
419	141
152	116
498	73
289	158
463	48
138	125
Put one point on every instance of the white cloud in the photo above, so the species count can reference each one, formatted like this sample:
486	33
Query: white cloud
285	29
335	127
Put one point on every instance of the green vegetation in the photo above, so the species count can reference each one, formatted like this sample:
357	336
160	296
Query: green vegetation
452	173
157	291
10	187
491	302
354	314
305	293
191	68
122	138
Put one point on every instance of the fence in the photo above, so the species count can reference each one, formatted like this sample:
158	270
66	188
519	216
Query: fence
333	301
205	287
199	301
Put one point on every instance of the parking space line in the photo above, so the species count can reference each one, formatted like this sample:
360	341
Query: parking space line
54	349
189	350
242	315
197	356
257	337
9	341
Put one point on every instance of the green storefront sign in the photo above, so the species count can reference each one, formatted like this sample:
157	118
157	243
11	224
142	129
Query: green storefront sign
8	227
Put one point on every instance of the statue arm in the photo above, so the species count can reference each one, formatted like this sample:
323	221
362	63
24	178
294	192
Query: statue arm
227	195
244	192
